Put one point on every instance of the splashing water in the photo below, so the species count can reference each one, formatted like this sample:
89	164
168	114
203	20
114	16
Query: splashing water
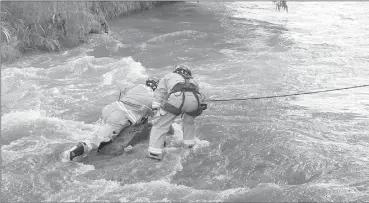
306	148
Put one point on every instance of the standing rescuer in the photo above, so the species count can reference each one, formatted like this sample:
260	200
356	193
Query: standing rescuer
177	94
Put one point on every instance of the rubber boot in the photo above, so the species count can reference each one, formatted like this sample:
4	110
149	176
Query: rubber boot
157	157
80	150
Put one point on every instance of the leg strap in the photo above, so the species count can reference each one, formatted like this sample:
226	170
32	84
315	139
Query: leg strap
171	109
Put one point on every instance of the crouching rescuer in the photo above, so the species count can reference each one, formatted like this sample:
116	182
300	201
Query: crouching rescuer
133	107
177	94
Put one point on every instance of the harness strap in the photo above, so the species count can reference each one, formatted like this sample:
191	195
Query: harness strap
171	109
183	99
132	117
137	106
131	104
186	87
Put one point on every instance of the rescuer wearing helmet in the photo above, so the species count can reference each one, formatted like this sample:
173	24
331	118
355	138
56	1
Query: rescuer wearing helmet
133	107
177	94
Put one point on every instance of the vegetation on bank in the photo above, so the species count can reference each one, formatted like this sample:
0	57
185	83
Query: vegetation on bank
51	25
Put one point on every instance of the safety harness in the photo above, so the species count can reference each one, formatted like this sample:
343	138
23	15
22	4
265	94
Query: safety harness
183	87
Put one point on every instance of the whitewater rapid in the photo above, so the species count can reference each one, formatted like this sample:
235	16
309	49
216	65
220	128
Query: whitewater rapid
302	148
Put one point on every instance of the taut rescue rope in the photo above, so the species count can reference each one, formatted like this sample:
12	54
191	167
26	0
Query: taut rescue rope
285	95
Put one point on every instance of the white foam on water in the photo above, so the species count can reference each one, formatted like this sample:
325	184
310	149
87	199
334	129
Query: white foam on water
70	83
26	72
108	78
180	155
81	189
162	190
17	118
24	147
21	124
233	191
204	85
16	83
200	144
85	190
124	71
175	35
82	169
178	136
30	131
74	66
55	91
108	41
33	140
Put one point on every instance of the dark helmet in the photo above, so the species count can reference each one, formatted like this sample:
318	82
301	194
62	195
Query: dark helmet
152	82
183	70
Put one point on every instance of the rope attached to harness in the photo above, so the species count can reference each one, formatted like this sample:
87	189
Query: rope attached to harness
285	95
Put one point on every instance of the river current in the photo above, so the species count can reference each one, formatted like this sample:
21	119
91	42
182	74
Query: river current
292	149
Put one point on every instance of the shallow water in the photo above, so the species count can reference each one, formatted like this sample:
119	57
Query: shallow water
301	148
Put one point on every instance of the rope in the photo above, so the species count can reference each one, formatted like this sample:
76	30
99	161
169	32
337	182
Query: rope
286	95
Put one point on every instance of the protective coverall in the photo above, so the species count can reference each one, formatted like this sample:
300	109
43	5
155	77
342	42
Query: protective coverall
163	119
133	106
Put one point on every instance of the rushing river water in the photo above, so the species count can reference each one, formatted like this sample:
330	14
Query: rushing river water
301	148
